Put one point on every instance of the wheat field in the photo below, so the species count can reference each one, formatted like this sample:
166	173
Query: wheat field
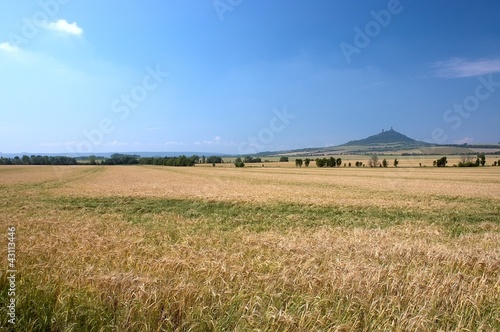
153	248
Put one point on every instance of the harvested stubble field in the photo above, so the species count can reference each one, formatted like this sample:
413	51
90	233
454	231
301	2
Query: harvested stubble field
145	248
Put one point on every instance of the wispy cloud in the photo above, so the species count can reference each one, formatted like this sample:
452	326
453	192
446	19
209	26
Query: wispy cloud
7	47
65	27
458	67
464	140
217	140
173	143
65	144
74	144
50	144
115	143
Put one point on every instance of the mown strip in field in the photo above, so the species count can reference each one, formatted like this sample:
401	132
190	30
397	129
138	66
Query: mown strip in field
281	216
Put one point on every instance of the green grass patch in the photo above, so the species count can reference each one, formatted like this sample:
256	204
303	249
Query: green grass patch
228	216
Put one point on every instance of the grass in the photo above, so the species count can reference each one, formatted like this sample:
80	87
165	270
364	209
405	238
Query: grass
202	249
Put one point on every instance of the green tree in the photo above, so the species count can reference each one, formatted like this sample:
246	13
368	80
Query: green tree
307	161
283	159
339	162
396	162
239	163
298	162
482	158
26	160
441	162
214	160
92	160
249	159
384	163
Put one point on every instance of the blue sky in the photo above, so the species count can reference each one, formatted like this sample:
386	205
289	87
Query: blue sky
240	76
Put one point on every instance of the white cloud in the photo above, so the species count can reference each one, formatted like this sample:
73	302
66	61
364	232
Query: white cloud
115	143
74	144
217	140
458	67
170	143
65	27
464	140
7	47
214	141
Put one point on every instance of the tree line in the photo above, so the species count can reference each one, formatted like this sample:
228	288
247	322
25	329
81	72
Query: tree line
38	160
337	162
126	159
181	161
178	161
114	159
467	161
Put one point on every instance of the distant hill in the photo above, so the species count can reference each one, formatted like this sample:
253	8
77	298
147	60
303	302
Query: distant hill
391	137
391	142
385	141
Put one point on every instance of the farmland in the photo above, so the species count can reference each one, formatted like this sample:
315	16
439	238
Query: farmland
262	248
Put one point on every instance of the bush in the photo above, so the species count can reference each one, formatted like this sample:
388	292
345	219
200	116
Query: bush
214	160
467	161
250	160
373	161
441	162
239	163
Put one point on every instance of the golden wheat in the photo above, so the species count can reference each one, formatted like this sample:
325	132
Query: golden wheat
162	269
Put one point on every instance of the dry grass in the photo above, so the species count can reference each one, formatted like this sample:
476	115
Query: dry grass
352	187
175	249
38	174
